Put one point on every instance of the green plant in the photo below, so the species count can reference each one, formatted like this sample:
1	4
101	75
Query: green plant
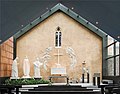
30	81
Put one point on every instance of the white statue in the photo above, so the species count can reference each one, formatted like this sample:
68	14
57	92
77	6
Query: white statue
37	65
72	55
84	68
45	59
15	68
47	50
26	68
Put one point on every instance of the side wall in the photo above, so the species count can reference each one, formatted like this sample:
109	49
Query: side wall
6	57
86	45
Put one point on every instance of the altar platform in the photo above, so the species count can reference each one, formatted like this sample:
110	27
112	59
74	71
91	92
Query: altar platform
82	88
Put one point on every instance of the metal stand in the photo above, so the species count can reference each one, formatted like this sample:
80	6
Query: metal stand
87	77
82	78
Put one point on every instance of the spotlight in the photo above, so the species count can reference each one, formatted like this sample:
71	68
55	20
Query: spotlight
68	9
0	40
31	23
87	22
97	22
97	29
72	8
21	30
119	37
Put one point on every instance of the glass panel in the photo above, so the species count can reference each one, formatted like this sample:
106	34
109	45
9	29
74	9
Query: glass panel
110	40
56	39
110	50
117	48
117	65
60	34
111	67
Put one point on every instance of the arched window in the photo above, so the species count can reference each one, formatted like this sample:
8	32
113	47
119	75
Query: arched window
58	36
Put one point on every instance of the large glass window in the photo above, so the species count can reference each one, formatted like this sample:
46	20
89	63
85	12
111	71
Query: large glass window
110	40
110	67
117	48
110	50
113	62
117	65
58	39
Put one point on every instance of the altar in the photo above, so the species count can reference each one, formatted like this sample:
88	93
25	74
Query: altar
58	71
67	78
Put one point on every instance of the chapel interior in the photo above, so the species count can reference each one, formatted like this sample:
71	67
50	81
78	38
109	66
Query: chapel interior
64	50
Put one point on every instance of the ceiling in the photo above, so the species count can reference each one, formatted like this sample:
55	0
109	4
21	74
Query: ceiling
16	14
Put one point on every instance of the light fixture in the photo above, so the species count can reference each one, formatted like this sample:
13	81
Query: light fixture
96	22
68	9
21	30
31	23
47	8
72	8
87	22
97	29
0	40
119	37
22	25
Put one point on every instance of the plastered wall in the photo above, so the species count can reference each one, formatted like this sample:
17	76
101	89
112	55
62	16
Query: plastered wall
86	45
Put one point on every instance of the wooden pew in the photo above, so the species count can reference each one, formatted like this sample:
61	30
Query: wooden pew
6	89
116	90
109	89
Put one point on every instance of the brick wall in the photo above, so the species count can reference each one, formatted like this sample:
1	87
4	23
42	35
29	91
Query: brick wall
6	57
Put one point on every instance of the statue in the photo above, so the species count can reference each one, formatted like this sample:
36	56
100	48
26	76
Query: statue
37	65
45	59
72	55
15	69
26	68
85	73
47	51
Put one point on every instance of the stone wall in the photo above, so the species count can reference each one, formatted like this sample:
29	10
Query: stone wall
6	57
86	45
